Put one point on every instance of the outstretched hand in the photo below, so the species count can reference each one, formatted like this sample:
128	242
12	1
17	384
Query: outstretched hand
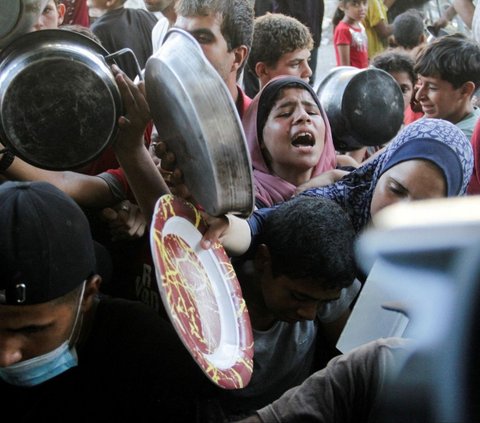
217	228
133	122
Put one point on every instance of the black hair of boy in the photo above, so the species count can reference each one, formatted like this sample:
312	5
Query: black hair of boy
276	34
452	58
311	237
408	28
394	61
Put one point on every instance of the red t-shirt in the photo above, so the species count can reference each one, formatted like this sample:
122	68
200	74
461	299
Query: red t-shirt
356	38
474	184
76	13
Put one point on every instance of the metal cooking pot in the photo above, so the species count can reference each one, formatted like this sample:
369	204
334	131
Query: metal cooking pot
59	102
365	107
17	18
196	117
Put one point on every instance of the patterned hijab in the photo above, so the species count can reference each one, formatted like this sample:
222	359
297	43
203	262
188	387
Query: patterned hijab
435	140
269	188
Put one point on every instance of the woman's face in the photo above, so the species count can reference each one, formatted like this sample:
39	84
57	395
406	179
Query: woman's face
294	134
408	181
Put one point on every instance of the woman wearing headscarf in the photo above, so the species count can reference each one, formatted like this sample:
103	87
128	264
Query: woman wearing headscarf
437	149
288	137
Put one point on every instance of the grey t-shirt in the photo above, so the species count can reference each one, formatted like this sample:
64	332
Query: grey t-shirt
283	356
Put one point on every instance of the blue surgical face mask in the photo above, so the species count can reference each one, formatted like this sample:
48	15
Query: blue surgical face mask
39	369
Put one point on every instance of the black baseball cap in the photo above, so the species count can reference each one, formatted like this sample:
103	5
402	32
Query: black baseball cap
46	247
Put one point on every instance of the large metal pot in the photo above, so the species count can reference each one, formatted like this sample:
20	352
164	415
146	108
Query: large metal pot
365	107
17	18
195	115
59	102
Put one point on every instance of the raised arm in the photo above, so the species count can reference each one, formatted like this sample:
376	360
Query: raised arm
142	174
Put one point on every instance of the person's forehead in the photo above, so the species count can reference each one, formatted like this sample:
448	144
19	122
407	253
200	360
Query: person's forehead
311	288
211	22
295	55
13	316
295	93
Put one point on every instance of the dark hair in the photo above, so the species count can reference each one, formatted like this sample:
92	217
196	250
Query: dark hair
339	14
394	61
453	58
274	35
408	27
238	16
311	237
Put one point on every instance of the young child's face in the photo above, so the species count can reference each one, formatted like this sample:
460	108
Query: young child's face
406	85
355	11
440	100
51	17
294	63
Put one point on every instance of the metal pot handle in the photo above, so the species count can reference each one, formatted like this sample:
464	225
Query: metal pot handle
110	59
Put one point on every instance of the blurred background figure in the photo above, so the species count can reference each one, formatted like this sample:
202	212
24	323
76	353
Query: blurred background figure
76	12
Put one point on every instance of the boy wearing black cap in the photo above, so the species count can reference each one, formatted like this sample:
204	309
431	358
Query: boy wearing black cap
64	349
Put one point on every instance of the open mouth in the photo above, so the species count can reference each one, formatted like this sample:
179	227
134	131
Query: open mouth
303	139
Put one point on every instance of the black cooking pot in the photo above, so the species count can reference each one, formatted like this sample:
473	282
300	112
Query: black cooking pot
365	107
59	102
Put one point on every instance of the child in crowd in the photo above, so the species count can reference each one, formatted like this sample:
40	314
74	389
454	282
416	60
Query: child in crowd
281	46
448	75
350	37
401	67
409	32
51	17
298	286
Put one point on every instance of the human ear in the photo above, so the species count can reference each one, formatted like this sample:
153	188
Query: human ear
241	53
468	88
262	259
261	69
92	287
61	8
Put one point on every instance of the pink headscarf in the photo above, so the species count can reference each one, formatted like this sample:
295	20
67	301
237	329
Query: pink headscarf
269	188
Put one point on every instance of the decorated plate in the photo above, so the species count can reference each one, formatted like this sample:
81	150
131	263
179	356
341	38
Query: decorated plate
201	294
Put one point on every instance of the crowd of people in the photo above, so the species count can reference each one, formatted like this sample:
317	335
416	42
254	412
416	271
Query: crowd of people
84	334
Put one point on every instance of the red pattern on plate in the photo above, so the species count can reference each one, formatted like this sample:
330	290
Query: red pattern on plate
189	295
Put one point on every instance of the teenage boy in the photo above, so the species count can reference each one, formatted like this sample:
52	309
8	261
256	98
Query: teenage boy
67	353
298	286
281	45
448	75
224	30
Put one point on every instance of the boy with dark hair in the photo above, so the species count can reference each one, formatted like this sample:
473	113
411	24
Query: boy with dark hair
298	288
409	30
281	46
448	75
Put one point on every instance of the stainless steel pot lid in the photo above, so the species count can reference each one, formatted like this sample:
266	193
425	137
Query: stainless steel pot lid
364	106
59	102
195	115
